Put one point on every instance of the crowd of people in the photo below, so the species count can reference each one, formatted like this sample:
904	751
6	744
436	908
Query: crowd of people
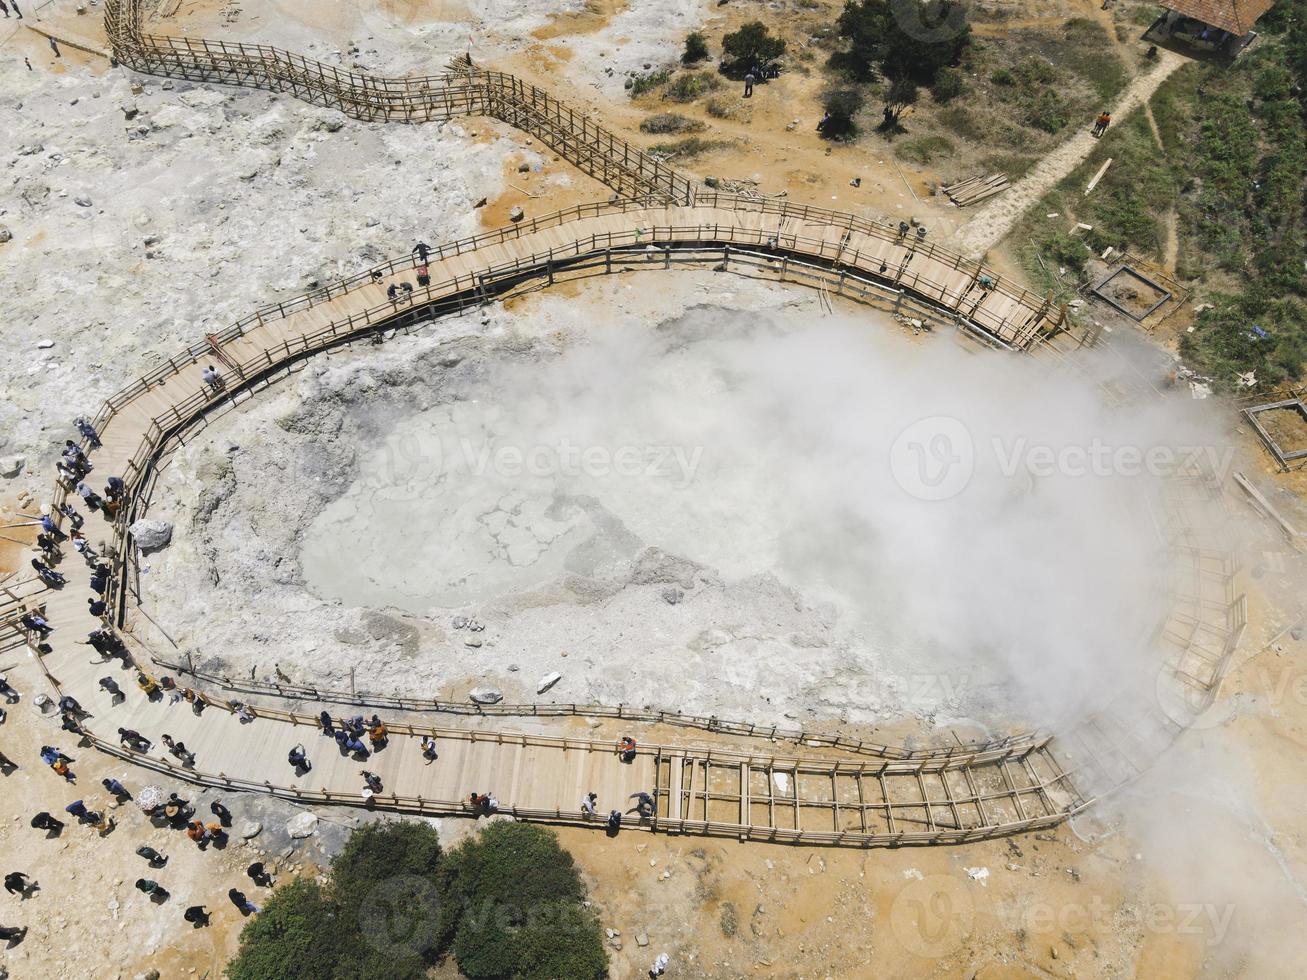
357	737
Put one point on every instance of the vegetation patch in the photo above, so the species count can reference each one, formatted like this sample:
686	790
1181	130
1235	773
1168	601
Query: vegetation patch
670	122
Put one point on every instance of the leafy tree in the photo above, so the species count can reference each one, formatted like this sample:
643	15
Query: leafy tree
383	850
696	49
900	39
512	907
303	933
751	45
902	93
842	107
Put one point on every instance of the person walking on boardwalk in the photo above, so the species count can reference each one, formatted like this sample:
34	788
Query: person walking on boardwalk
17	883
371	780
179	750
429	748
84	427
212	378
14	4
588	805
71	512
324	720
132	739
1101	123
84	491
50	527
422	250
299	760
4	8
626	748
644	803
36	623
48	575
377	734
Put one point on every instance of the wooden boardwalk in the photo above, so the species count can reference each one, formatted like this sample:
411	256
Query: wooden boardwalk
731	780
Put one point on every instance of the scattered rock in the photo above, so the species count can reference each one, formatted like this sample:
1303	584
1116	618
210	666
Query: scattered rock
471	643
460	622
45	344
641	939
130	112
29	149
5	234
524	168
548	681
672	596
248	829
481	202
82	201
1296	632
151	534
486	695
302	825
515	213
11	466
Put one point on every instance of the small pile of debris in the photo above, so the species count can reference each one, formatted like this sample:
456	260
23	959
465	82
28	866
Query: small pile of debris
975	189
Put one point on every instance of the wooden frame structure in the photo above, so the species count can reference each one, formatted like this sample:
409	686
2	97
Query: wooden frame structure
939	796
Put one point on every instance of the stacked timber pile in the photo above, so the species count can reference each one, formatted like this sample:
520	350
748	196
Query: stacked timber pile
976	189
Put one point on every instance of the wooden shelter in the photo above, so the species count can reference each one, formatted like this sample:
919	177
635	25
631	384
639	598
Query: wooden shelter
1221	27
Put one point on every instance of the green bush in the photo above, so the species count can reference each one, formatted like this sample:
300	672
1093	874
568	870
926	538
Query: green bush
380	851
924	149
1003	76
947	86
503	920
691	146
688	87
670	122
508	904
696	49
726	107
649	81
304	933
842	107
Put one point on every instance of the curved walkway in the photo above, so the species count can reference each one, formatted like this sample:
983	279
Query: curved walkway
904	798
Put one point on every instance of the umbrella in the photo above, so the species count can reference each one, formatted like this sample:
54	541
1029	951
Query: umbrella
150	797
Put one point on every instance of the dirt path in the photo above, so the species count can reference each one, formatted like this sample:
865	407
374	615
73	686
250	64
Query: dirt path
994	220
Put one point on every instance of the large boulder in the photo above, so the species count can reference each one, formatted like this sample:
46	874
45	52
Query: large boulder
486	695
151	535
11	466
302	825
